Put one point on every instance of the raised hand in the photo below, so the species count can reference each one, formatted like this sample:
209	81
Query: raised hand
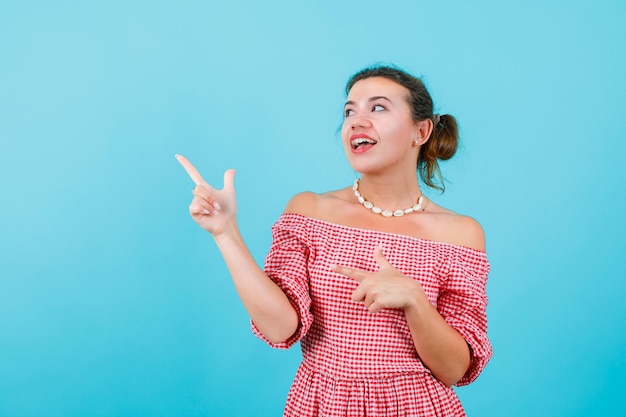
385	288
214	210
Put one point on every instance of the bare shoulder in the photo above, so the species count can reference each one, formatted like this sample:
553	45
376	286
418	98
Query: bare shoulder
303	203
465	231
457	229
315	205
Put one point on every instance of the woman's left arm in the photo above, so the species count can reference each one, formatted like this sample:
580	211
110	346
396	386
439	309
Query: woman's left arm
440	347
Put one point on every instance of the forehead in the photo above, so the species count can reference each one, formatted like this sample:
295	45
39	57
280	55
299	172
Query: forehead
377	86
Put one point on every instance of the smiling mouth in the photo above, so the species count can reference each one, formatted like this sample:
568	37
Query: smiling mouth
356	143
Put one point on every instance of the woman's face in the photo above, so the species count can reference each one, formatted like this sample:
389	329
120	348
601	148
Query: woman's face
378	130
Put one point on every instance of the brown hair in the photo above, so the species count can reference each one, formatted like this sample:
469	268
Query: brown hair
444	139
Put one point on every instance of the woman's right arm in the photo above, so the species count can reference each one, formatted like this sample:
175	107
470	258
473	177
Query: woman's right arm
216	212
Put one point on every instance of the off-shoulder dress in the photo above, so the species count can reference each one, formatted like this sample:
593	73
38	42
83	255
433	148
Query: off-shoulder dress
358	363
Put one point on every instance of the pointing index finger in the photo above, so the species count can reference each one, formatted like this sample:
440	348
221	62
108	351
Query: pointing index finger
191	170
355	274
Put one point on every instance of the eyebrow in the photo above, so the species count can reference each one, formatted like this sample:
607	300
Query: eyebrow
369	99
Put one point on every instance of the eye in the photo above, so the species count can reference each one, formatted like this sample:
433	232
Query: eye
378	107
348	112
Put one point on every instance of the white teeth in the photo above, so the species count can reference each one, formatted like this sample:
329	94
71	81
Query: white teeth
359	141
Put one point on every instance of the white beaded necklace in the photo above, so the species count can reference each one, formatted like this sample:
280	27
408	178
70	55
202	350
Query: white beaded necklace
387	213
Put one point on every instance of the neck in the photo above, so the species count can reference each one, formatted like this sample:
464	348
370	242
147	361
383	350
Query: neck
416	204
390	192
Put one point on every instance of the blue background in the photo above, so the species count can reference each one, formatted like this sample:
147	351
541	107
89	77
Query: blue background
114	303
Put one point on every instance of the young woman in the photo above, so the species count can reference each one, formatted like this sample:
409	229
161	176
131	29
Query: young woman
384	289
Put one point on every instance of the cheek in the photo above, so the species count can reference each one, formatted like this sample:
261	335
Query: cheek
345	130
402	130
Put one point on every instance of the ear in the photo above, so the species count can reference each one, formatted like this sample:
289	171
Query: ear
423	130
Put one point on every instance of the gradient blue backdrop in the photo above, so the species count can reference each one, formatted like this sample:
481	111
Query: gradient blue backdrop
114	303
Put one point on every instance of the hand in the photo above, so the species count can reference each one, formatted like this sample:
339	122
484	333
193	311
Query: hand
212	209
385	288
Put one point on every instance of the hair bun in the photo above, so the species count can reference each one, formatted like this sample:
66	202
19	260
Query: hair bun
445	137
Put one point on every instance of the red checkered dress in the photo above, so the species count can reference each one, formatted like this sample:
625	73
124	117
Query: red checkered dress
356	363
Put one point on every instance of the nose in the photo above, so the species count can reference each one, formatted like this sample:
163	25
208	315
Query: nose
358	121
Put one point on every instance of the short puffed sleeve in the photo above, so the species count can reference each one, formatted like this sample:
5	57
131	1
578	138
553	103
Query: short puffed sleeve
463	303
287	265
